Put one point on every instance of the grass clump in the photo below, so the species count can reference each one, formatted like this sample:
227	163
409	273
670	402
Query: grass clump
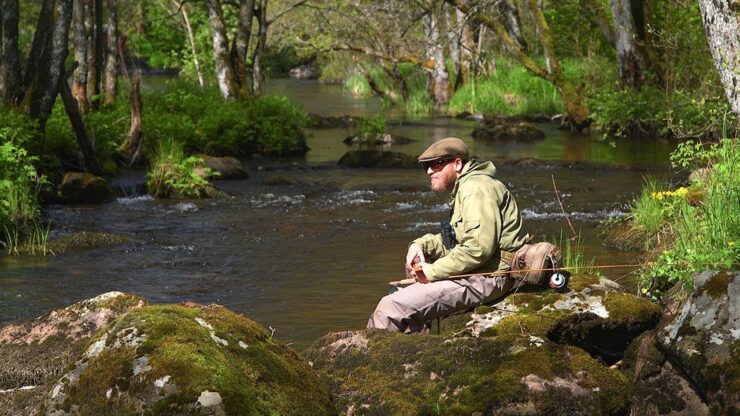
176	175
509	90
369	130
700	221
20	186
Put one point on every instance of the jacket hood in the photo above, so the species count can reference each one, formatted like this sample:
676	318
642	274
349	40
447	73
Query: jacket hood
471	169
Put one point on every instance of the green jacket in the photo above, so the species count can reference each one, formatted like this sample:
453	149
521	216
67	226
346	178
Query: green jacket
485	218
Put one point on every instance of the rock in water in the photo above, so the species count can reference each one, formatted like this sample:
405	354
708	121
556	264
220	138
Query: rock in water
377	159
188	360
84	188
499	129
227	167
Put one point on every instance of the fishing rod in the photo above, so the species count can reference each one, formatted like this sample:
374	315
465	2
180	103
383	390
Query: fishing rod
409	281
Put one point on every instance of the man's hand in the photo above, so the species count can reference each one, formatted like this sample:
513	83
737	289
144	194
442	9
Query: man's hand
413	256
421	270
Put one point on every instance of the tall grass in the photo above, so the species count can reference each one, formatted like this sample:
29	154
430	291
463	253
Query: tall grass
510	90
705	229
173	174
573	256
647	211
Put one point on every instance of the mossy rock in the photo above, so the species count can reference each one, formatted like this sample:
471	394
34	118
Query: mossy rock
703	339
86	240
375	372
189	359
659	387
594	315
497	129
377	159
84	188
34	354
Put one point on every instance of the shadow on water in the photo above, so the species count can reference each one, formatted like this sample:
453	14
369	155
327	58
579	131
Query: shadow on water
314	254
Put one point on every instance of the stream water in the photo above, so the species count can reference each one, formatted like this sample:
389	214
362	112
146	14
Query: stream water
305	247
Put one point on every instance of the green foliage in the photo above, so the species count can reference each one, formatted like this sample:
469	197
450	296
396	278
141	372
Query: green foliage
706	234
369	129
20	183
648	211
624	112
510	90
175	175
573	256
204	122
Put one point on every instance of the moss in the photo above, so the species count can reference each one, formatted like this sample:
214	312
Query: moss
537	324
579	281
264	378
717	285
86	240
410	375
623	307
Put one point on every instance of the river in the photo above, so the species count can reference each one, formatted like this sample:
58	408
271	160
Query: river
305	247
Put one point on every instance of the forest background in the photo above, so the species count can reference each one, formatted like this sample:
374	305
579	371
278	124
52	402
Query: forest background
70	83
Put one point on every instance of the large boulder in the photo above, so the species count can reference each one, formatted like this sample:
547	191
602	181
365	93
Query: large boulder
188	360
703	339
35	353
526	355
501	129
227	167
385	139
659	388
377	159
84	188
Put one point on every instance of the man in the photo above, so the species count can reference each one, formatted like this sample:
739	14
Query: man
485	229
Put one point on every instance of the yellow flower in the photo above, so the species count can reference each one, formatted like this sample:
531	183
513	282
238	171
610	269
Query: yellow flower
681	192
731	243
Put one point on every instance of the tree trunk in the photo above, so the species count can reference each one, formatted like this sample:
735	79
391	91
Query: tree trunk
139	20
51	74
191	39
242	39
131	146
39	56
439	79
10	64
722	26
111	61
571	95
453	29
467	47
89	162
79	78
98	55
224	71
259	50
630	57
513	22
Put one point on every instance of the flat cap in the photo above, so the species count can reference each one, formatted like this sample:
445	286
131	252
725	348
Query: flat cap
447	147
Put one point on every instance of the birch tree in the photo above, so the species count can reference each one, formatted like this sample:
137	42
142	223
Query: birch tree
81	35
631	58
722	26
112	53
224	70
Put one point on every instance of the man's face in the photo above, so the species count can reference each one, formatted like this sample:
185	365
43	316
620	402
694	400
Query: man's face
442	174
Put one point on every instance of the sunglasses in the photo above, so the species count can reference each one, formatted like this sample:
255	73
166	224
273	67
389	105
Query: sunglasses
435	165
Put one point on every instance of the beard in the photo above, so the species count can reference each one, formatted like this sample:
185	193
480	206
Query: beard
443	180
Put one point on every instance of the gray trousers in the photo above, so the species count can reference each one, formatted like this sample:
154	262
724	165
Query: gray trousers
411	307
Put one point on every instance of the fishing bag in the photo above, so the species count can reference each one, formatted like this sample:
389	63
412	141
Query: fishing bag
533	260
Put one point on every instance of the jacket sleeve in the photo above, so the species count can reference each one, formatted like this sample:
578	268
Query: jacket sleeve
432	246
481	231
